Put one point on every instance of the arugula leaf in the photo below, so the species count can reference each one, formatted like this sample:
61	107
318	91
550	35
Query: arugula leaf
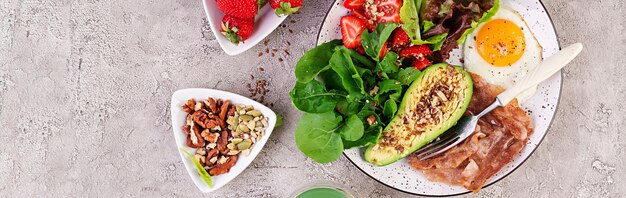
315	61
373	42
390	108
486	17
312	97
363	60
350	78
317	137
409	15
353	129
389	85
407	75
203	174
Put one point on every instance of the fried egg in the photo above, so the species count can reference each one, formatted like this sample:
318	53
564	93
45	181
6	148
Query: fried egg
503	50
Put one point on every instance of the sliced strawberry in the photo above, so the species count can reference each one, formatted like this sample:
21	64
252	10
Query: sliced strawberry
390	10
351	29
421	63
383	51
399	39
353	4
417	51
359	13
360	50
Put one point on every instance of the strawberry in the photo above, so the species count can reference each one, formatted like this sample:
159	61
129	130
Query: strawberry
243	9
399	39
417	51
421	64
359	13
236	29
383	51
390	10
353	4
285	7
351	29
360	50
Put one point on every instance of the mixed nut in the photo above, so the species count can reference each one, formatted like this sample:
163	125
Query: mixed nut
221	131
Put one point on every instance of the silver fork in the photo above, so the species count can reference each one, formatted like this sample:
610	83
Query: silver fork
466	125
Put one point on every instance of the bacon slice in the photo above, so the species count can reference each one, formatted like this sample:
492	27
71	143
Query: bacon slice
499	137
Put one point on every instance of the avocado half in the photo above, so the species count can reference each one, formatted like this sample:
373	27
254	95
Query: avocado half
433	103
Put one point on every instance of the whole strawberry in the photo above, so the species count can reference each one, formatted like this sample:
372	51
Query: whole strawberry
243	9
285	7
236	29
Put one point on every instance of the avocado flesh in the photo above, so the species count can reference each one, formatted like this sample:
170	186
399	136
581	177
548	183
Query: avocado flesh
416	123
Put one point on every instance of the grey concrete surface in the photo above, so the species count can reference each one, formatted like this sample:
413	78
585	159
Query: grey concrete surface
85	88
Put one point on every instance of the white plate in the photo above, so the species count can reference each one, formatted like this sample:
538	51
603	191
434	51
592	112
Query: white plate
178	120
541	107
264	23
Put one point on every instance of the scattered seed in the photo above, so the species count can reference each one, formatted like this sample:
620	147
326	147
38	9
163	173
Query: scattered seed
280	59
286	52
267	50
290	31
261	69
260	54
293	21
288	43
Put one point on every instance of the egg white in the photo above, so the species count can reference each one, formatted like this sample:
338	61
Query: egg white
505	76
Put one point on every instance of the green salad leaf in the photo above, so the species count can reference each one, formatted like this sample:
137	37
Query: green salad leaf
315	61
352	129
317	136
343	65
203	174
486	17
409	15
373	42
312	97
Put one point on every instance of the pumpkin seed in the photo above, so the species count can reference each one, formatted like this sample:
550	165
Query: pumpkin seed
244	145
236	140
246	117
251	125
244	128
232	152
231	146
249	108
258	124
255	113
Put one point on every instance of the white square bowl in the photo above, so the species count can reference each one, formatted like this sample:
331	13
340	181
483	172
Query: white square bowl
264	23
178	120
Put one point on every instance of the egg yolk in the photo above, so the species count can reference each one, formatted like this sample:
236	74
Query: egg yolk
500	42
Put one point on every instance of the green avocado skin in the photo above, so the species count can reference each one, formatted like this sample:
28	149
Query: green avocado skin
381	158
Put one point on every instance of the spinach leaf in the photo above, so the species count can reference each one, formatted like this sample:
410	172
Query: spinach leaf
390	108
315	61
409	15
370	137
203	174
373	42
331	80
388	64
407	75
350	78
348	108
317	136
312	97
352	129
